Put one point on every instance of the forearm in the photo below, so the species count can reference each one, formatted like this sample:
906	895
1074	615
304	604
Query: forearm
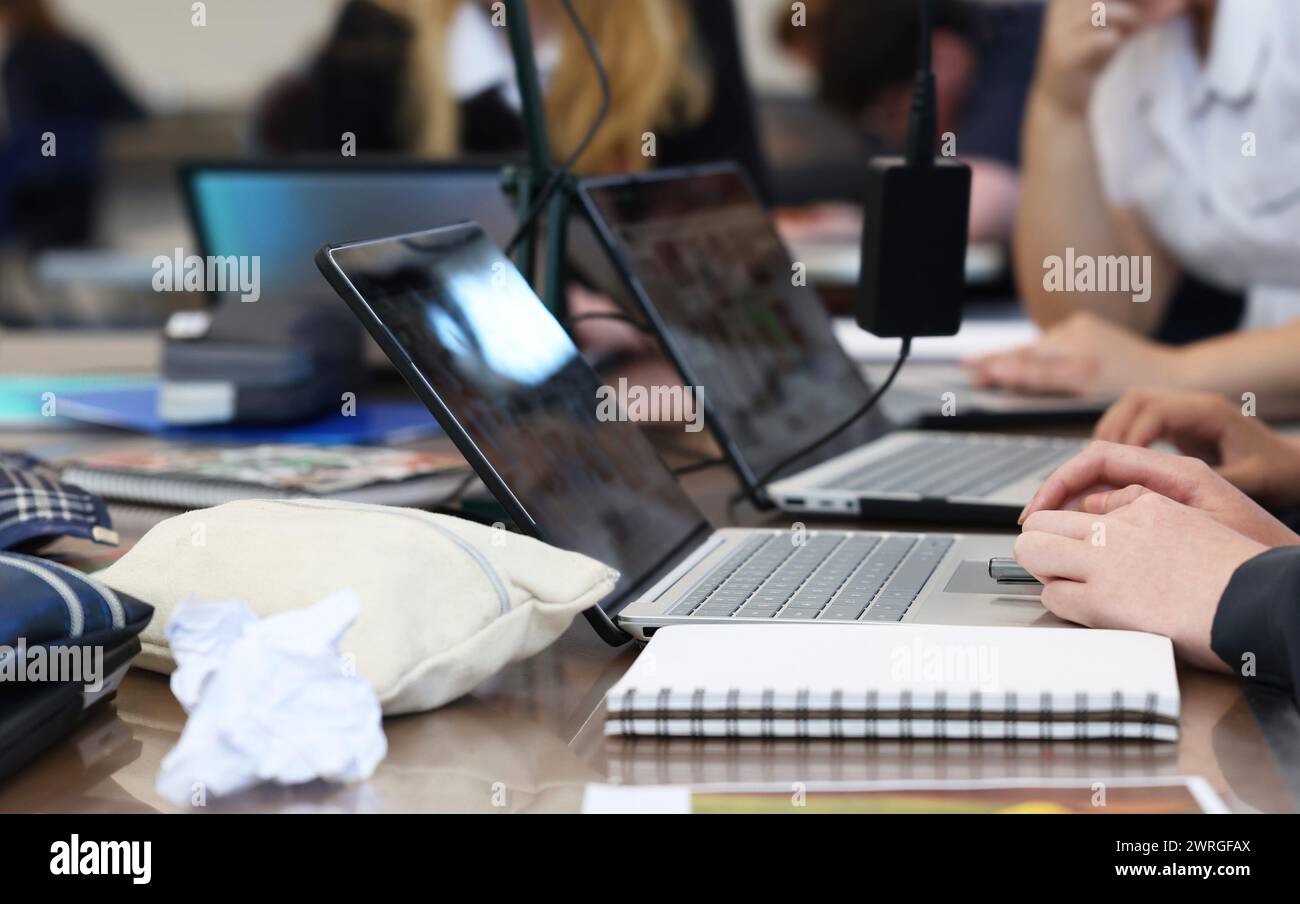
1063	206
1256	629
1259	362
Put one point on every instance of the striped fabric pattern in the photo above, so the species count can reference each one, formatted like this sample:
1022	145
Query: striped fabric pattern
46	603
35	506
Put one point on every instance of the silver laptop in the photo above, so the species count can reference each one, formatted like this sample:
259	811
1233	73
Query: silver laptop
835	263
513	392
919	394
739	322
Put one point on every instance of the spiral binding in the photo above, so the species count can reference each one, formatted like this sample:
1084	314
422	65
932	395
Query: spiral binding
939	713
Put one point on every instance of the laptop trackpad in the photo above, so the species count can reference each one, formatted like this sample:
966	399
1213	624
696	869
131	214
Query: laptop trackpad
973	577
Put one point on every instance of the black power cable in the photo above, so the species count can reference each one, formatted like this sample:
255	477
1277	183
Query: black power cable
702	465
923	123
922	131
870	403
561	173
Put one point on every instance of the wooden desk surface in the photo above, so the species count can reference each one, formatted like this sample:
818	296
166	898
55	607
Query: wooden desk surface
531	738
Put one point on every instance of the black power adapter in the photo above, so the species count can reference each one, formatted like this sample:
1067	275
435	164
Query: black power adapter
915	226
914	248
913	245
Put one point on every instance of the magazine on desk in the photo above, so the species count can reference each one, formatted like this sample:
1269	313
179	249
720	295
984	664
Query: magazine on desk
200	477
1182	795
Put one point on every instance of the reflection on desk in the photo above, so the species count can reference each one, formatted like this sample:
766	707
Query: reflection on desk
1220	741
532	738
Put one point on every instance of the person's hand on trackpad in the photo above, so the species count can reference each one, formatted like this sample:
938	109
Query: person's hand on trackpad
1083	356
1106	477
1151	565
1130	538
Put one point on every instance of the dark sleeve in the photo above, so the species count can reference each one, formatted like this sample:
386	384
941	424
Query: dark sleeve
490	127
1199	311
112	100
1006	39
62	80
354	84
1258	621
730	130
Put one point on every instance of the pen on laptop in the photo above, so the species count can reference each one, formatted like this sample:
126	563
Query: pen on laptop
1006	570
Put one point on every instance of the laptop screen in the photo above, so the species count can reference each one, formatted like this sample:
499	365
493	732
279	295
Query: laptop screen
284	213
711	270
514	392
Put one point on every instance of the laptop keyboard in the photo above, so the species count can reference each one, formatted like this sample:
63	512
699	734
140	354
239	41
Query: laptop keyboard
957	466
830	577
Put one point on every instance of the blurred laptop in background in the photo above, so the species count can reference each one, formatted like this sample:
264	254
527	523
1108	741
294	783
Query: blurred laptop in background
290	355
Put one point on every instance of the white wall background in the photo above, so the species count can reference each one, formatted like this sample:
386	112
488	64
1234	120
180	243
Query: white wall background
173	65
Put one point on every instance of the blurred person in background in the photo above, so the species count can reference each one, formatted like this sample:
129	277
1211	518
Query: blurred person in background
56	97
1165	133
866	57
801	35
435	78
1186	555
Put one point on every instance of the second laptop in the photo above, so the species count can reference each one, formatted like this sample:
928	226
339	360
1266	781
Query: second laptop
703	260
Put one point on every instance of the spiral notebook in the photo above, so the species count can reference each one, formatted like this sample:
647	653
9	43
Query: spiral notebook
898	681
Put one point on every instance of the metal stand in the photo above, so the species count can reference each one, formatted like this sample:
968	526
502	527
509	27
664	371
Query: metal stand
528	184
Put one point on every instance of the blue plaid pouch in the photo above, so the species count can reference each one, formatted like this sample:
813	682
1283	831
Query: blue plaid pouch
37	508
66	641
43	603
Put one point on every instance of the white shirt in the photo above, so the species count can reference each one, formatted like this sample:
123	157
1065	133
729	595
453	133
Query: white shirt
1174	134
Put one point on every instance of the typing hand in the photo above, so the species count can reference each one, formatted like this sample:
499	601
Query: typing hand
1106	477
1081	356
1150	565
1256	459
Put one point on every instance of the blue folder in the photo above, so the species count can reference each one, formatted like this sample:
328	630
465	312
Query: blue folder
135	408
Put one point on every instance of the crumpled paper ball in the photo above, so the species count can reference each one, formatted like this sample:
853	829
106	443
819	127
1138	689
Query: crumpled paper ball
269	700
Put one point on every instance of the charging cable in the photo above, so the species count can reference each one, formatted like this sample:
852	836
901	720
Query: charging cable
862	412
562	172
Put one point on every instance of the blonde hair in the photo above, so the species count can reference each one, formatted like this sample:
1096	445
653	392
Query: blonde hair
430	116
657	79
